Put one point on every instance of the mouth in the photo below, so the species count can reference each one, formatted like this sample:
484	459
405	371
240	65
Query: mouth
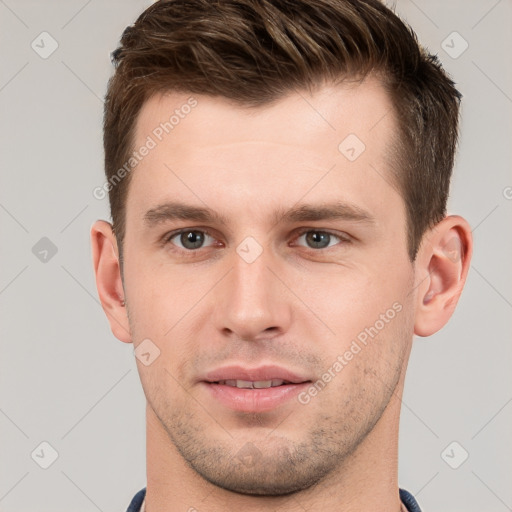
254	390
258	384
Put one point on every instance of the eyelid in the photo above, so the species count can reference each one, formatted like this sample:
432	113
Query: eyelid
342	236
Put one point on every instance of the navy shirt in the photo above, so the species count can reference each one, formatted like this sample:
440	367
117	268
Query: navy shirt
406	497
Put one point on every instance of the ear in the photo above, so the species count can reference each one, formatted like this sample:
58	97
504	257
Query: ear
442	267
105	256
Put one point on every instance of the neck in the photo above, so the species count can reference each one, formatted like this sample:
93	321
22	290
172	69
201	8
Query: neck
365	481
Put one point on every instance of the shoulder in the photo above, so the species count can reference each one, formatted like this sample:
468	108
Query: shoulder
409	501
136	502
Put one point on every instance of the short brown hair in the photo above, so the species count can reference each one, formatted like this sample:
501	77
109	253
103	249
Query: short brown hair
254	52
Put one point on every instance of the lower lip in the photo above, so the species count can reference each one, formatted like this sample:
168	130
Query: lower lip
254	400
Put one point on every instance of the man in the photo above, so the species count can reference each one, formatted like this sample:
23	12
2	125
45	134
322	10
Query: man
278	172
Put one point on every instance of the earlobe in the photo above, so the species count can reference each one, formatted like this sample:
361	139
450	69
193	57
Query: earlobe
442	267
108	279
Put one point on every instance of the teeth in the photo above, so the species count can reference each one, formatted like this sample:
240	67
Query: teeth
243	384
262	384
247	384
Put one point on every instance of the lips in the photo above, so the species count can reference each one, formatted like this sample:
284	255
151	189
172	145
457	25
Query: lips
260	374
253	390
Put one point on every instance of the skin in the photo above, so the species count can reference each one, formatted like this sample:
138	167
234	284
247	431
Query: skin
297	305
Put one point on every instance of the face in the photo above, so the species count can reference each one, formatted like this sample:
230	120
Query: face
265	248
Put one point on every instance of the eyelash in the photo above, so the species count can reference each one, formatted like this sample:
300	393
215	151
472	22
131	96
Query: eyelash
191	252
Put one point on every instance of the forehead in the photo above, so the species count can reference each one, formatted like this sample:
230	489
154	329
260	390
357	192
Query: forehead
328	114
201	144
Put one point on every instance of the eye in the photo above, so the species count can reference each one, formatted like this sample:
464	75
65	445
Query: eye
189	239
316	239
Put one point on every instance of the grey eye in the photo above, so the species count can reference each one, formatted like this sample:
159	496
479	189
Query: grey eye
319	239
190	239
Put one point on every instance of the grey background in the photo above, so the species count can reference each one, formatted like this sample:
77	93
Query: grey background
64	378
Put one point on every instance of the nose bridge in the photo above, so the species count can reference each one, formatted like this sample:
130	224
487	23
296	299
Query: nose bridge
252	302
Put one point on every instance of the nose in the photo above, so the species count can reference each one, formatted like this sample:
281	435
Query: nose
252	302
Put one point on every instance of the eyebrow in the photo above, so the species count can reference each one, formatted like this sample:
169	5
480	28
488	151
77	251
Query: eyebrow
302	213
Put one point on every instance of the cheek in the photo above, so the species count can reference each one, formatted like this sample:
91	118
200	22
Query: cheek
156	299
162	306
368	361
350	300
371	320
